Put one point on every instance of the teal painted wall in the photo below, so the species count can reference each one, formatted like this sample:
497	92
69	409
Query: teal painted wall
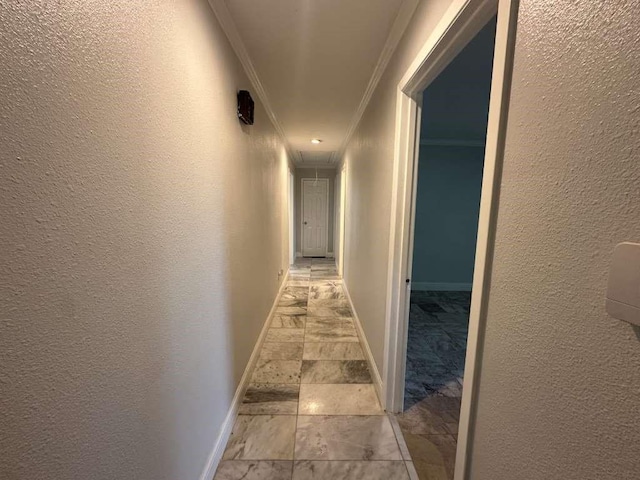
455	109
448	201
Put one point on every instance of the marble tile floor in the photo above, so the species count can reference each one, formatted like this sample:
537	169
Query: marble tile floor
311	411
436	349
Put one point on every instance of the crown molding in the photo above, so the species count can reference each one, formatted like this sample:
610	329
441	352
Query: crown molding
405	12
223	15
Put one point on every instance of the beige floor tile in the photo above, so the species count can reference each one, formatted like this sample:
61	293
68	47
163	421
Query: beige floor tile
275	399
349	470
285	335
341	399
277	371
281	351
254	470
332	351
262	437
345	438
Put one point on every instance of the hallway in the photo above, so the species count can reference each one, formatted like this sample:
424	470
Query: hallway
165	163
311	410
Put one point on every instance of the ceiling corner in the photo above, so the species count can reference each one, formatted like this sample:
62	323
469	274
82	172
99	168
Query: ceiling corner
225	20
405	13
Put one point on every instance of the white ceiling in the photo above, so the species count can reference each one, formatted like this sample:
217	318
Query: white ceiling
314	60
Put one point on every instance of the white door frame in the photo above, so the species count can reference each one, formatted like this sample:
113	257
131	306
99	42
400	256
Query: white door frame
326	242
342	219
462	21
292	221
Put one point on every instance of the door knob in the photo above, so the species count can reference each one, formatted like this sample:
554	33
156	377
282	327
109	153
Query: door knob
305	223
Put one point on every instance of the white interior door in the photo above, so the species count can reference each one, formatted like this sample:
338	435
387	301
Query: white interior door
315	217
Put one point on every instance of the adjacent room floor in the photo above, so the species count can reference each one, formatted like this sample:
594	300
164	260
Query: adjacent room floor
438	324
311	410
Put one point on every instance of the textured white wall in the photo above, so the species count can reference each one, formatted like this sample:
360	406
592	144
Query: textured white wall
560	387
142	229
369	160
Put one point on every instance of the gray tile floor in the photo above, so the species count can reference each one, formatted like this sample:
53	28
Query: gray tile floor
311	411
438	323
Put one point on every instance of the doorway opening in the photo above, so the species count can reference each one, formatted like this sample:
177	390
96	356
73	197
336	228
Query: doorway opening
446	206
314	203
462	22
315	208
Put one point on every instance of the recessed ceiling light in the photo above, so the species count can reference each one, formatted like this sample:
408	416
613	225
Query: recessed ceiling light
316	141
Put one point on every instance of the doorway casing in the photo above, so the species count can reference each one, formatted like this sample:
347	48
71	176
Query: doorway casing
291	210
342	220
462	21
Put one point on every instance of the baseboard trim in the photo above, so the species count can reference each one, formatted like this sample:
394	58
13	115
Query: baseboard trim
330	255
227	426
441	287
373	368
299	254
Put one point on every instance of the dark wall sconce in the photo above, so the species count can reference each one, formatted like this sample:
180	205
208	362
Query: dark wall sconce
245	107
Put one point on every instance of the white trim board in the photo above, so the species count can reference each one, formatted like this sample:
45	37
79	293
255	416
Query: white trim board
343	220
460	23
291	211
441	287
213	460
373	368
